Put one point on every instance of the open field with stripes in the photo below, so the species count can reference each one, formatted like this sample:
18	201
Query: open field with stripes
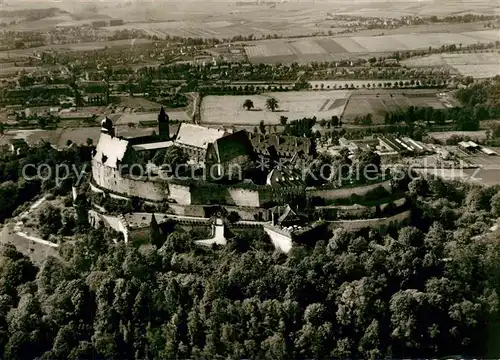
379	103
333	48
294	105
228	110
477	65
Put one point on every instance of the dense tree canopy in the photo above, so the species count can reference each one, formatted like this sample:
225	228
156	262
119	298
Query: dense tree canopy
424	290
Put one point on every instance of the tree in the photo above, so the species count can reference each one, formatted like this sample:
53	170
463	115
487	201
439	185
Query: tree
49	221
42	122
418	187
272	104
335	121
262	127
248	104
495	204
155	236
175	157
283	120
368	166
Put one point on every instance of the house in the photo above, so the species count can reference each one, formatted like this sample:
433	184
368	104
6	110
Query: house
195	139
284	216
284	178
231	150
281	145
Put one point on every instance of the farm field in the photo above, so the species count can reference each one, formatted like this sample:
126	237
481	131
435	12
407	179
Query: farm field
224	19
477	65
332	48
360	104
87	46
229	110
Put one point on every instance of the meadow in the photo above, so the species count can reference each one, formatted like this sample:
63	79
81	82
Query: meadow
378	104
294	105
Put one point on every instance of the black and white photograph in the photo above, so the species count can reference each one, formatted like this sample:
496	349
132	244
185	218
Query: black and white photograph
249	179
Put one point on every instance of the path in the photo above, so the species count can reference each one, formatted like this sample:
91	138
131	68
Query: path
18	227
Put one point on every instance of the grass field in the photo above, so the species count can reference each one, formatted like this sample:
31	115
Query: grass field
87	46
294	105
478	65
331	48
378	105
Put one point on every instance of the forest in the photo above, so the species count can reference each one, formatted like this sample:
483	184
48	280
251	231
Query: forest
426	290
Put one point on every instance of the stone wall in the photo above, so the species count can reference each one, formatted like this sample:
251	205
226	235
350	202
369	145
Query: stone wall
279	239
187	210
110	179
180	194
107	178
332	194
372	223
244	197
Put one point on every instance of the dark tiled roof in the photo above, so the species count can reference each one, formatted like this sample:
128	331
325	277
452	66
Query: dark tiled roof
232	146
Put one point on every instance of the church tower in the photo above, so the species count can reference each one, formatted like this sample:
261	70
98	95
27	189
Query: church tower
163	125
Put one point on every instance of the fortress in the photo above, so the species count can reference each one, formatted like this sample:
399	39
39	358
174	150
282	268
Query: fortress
261	192
116	158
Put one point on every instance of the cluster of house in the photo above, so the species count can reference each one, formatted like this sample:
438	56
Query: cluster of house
384	145
471	148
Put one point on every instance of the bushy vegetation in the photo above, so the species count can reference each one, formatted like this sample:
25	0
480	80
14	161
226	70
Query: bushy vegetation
426	290
15	189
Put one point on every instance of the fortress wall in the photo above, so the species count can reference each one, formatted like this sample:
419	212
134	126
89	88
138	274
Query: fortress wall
110	179
181	194
278	195
205	194
249	214
244	197
279	240
373	223
187	210
332	194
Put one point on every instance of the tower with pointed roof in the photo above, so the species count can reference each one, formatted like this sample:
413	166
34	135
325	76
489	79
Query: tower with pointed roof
163	125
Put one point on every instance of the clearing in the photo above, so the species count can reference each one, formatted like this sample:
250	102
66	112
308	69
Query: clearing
379	103
228	110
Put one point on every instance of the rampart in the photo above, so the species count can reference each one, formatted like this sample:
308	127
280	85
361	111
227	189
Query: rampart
110	179
372	223
345	192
